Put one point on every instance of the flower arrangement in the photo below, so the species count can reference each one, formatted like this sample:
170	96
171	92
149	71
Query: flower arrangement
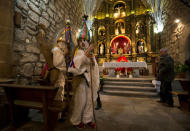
130	70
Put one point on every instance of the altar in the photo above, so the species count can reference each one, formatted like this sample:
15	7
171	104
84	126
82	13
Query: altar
133	66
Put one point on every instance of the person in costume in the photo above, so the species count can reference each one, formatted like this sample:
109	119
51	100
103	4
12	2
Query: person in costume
59	51
82	65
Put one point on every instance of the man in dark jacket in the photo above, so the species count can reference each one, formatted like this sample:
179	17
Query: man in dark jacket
166	76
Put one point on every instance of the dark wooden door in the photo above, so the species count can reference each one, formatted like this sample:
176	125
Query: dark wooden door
6	37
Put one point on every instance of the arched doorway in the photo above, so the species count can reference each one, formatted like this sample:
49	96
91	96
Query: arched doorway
121	44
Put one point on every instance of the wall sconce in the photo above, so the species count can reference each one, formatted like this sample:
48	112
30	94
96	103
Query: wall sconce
177	21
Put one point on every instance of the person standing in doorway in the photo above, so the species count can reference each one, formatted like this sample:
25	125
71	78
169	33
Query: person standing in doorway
166	76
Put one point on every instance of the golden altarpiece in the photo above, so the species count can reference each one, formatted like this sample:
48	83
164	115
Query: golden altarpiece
124	26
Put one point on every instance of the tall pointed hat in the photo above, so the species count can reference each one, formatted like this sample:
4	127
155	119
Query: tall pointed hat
84	32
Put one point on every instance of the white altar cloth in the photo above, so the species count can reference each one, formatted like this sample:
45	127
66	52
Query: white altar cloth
124	64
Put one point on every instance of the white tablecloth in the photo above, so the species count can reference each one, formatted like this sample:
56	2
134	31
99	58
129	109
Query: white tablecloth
124	64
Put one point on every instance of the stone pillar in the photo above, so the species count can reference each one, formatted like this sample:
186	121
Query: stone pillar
6	37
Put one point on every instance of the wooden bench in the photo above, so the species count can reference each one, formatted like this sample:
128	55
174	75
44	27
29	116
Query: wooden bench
183	99
21	98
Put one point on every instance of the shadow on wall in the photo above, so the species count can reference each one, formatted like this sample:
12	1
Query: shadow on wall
187	48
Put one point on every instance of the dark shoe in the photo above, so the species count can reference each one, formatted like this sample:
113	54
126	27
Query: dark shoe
160	101
168	105
91	124
61	120
97	108
80	126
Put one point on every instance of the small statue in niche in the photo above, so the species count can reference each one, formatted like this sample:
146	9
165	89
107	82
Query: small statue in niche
120	26
139	28
118	9
140	47
120	51
116	47
101	49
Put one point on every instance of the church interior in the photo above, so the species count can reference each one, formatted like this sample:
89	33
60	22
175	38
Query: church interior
127	37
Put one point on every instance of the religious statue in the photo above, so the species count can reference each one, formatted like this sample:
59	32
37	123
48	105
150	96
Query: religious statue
120	51
119	27
101	49
116	47
140	47
139	28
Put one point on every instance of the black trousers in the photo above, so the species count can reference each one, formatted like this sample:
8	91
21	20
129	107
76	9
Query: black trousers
165	92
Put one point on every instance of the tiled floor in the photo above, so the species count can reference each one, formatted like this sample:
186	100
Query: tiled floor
127	114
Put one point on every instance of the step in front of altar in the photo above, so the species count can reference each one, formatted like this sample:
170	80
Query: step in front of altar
129	87
126	83
149	80
131	94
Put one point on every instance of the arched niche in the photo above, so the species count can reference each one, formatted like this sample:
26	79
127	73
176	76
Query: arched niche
120	27
101	31
119	9
140	46
120	44
119	3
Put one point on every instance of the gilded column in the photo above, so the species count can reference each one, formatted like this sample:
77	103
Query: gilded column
95	37
149	50
107	40
133	39
133	34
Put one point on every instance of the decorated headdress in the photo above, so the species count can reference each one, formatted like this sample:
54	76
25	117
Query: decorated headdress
84	32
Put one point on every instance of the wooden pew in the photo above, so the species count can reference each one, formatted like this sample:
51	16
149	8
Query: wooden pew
21	98
184	96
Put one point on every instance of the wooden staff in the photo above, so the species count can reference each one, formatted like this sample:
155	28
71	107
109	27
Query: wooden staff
90	55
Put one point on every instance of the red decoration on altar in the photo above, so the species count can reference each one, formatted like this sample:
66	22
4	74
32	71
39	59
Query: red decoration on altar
122	70
121	59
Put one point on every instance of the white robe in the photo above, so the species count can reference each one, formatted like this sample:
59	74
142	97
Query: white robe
82	107
59	63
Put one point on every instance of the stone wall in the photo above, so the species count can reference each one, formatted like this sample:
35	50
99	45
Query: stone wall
28	61
176	36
